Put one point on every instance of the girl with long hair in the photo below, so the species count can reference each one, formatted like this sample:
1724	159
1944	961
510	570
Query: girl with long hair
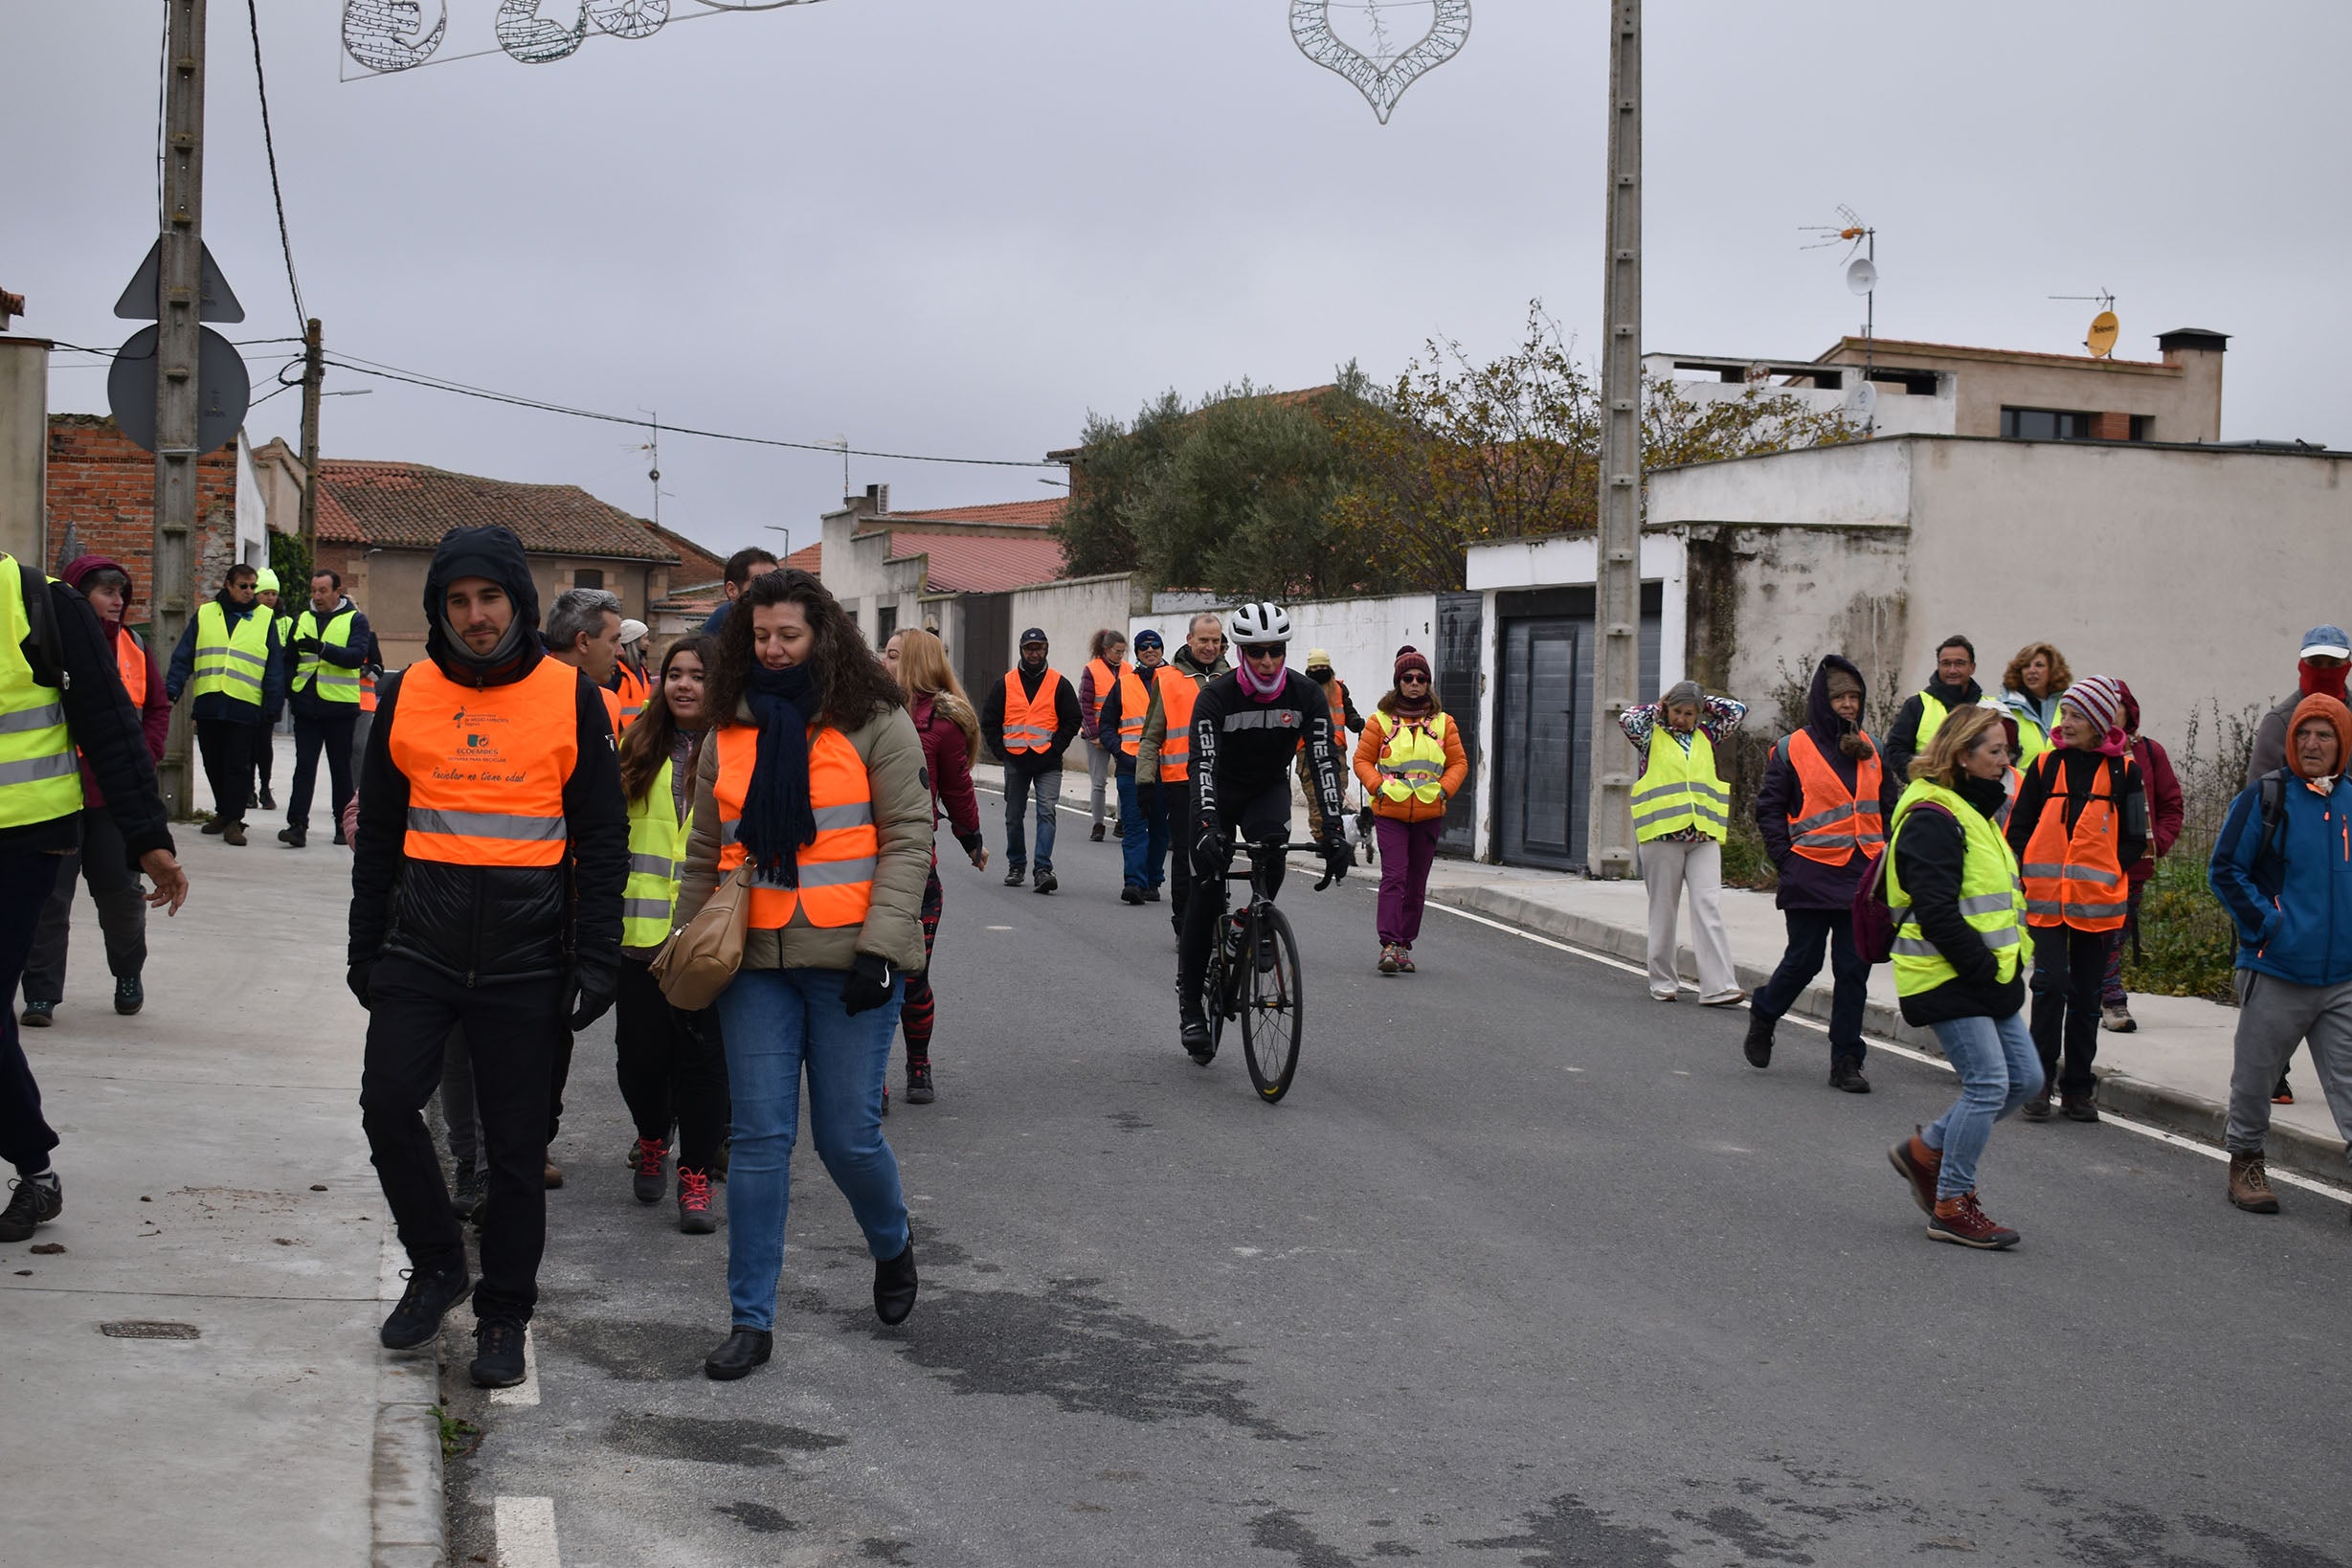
671	1063
812	786
950	731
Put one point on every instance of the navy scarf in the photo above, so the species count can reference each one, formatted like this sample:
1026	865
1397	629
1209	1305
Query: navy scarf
778	821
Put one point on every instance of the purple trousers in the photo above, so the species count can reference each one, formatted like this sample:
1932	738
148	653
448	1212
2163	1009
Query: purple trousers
1407	849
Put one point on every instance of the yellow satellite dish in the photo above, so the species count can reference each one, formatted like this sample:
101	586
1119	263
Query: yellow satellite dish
2105	328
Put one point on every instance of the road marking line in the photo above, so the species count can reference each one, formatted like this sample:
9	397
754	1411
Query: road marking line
2292	1179
526	1391
525	1531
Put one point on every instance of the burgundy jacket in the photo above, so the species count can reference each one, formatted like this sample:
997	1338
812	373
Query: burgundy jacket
946	755
2167	809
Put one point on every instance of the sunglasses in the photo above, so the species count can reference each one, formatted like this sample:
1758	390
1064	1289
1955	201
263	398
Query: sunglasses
1413	680
1261	650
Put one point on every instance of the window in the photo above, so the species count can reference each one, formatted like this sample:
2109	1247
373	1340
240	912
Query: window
2141	424
886	623
2044	425
587	577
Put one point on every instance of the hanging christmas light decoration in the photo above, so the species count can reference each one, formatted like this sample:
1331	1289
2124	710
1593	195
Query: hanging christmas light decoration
1391	64
387	35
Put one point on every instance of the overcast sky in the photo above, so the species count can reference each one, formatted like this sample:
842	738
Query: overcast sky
951	227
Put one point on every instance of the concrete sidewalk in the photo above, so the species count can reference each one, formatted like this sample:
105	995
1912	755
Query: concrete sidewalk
194	1379
2173	1070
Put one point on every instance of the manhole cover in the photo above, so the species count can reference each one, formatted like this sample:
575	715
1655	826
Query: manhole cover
135	1329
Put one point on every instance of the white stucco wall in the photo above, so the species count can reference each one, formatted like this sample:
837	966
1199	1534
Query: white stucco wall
1071	613
253	517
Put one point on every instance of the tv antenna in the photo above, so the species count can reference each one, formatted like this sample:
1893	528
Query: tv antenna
2105	328
652	448
1861	242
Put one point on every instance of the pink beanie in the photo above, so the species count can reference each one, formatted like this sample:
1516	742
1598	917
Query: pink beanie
2098	701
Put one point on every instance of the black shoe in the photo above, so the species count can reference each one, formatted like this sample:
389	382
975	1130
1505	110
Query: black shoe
498	1353
919	1089
743	1350
340	839
268	801
894	1286
1012	879
417	1319
1046	882
36	1201
1151	895
1757	1046
1097	836
1131	894
1849	1079
294	837
1193	1029
38	1014
2036	1109
2078	1108
217	826
129	995
467	1194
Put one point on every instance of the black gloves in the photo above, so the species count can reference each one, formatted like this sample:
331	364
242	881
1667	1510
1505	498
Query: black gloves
590	997
1337	856
357	977
868	985
1208	840
305	644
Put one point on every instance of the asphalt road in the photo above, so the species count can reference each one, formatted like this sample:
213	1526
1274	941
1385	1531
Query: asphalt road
1527	1269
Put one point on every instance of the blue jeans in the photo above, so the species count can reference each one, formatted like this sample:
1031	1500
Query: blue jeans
1809	932
775	1021
1999	1070
1143	832
1017	786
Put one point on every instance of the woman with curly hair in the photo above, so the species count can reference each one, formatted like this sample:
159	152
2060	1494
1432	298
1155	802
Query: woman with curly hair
2029	689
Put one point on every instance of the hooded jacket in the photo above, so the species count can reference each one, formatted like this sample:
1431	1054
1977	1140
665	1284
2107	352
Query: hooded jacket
480	924
219	705
1902	742
1806	883
155	712
2290	900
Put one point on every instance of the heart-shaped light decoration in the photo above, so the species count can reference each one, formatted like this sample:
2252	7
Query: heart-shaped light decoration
390	34
1381	80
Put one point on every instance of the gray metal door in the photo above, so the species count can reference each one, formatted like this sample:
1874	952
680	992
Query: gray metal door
1458	650
987	637
1536	816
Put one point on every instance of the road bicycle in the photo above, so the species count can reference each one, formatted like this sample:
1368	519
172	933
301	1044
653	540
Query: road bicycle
1254	975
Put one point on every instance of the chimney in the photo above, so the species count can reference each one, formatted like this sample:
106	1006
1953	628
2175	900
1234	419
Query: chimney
2198	352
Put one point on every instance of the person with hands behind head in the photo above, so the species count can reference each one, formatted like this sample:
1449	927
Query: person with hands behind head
812	787
485	891
950	732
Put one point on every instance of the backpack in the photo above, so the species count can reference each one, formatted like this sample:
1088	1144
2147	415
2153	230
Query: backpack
2273	843
1874	921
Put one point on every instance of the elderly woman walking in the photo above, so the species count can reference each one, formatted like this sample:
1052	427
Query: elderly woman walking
1681	811
1411	762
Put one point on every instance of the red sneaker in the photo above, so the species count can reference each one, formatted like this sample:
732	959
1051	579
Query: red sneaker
647	1179
1959	1220
694	1216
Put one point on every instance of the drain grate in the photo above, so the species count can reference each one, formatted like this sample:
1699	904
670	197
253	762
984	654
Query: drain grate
141	1329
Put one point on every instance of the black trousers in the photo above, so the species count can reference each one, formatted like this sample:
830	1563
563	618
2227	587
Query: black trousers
309	735
512	1027
264	751
227	748
1263	819
1178	798
122	910
2070	969
25	1136
672	1066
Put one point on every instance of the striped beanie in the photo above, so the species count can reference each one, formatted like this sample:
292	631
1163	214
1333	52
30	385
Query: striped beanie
2098	701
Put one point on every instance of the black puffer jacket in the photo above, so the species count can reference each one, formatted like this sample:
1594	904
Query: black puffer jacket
488	923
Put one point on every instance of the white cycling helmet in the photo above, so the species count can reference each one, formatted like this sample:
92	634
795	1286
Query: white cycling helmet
1264	621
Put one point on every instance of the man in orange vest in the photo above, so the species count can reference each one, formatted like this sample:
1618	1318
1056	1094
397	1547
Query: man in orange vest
1143	813
1029	719
485	893
1166	753
584	631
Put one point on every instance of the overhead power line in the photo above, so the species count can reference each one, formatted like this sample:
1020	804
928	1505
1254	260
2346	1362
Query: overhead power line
269	146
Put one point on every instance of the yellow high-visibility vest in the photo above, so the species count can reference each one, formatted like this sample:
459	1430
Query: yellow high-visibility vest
1412	763
1680	789
230	660
39	779
657	860
1992	896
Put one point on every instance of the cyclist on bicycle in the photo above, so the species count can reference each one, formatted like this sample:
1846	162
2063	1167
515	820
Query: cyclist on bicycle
1247	728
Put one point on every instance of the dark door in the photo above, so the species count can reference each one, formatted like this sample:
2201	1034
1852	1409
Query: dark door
987	636
1458	649
1536	817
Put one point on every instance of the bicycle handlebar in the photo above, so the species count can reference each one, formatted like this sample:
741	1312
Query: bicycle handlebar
1286	847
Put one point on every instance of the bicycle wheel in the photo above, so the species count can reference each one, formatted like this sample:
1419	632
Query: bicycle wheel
1273	1012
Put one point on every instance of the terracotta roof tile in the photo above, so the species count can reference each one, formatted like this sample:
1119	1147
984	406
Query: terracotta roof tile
1019	514
963	564
407	505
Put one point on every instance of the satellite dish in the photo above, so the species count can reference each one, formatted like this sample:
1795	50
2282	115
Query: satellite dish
2105	328
1862	277
1861	402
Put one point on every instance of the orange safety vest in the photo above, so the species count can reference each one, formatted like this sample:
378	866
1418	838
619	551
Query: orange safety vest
611	709
629	698
837	868
367	692
1133	702
1030	721
130	657
1340	708
487	768
1105	674
2076	878
1832	822
1176	695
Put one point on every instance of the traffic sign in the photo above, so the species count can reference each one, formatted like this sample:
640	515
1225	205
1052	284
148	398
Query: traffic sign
223	389
137	301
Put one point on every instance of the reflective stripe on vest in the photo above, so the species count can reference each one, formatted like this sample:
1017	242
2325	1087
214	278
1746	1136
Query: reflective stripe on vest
1338	696
39	779
1412	761
487	768
1992	897
837	868
231	661
1177	692
1680	789
366	693
631	695
657	860
1030	721
330	682
1135	704
130	657
2075	877
1832	820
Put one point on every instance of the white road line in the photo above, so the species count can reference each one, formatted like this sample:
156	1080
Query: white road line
526	1532
526	1391
2292	1179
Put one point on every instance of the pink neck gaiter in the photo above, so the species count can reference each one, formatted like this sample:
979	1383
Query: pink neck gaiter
1260	694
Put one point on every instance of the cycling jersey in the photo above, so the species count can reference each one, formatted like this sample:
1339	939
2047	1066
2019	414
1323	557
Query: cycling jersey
1242	748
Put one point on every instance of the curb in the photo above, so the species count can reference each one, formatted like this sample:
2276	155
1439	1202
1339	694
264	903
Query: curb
411	1526
2175	1110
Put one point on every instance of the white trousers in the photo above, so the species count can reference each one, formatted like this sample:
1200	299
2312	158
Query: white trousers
1668	870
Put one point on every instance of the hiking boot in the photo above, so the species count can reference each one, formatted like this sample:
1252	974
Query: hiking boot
1096	837
1757	1046
1046	882
294	837
2037	1108
743	1350
552	1177
268	801
1012	879
1193	1029
1388	959
467	1194
2249	1183
38	1014
2078	1108
2116	1018
233	834
1151	895
919	1090
129	995
1959	1220
34	1201
1919	1166
213	827
1847	1079
417	1319
894	1286
694	1216
647	1183
1131	894
498	1353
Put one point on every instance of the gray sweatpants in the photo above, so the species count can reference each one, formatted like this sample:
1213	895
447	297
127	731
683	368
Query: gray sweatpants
2273	1014
1670	870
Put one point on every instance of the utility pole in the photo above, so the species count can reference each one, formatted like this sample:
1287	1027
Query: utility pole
314	373
1609	835
179	289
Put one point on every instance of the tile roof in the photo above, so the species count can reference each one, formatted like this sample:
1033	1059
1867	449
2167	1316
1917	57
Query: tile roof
962	564
695	564
809	558
1017	514
407	505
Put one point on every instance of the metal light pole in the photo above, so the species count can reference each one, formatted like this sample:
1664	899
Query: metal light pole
1608	842
179	288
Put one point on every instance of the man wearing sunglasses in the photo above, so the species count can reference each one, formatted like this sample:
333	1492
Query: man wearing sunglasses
1247	728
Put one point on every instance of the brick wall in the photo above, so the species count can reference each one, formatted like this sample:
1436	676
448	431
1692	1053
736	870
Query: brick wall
2111	427
102	501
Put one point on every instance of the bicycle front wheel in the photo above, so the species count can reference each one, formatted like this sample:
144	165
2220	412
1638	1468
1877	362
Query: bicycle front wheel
1273	1009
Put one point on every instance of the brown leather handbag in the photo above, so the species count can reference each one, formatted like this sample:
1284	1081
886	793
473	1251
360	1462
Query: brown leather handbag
701	958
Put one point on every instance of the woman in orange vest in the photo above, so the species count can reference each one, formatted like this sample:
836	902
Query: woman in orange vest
1107	653
1409	734
814	783
2080	822
1821	810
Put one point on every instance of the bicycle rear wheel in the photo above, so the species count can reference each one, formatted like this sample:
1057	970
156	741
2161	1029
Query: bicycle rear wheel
1273	1008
